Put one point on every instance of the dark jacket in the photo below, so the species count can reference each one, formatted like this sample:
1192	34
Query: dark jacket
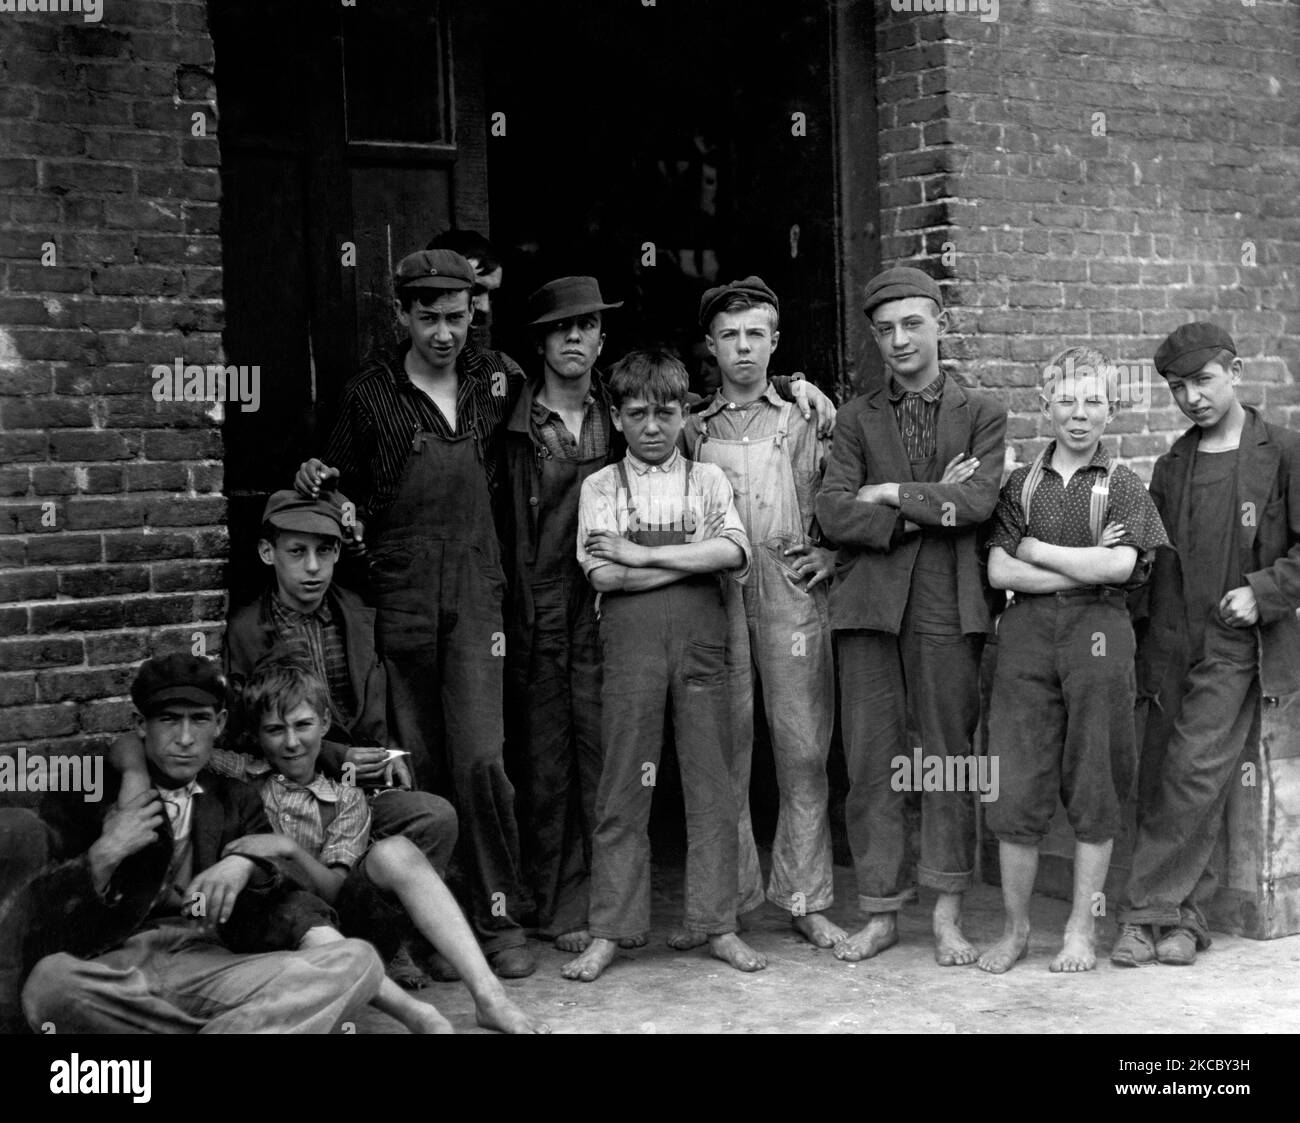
68	915
1268	490
524	460
874	570
251	633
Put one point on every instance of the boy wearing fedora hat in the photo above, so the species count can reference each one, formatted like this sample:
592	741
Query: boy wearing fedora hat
417	443
1220	629
915	469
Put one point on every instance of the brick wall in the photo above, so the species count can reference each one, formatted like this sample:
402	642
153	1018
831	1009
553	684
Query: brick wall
112	536
1066	227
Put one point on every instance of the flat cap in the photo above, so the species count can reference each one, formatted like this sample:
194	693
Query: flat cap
1188	348
566	297
715	299
288	510
899	283
434	269
178	678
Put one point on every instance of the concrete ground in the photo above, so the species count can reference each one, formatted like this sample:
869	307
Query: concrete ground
1237	986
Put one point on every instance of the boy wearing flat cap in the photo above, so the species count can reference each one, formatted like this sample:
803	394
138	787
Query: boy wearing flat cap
417	445
778	620
915	469
1220	630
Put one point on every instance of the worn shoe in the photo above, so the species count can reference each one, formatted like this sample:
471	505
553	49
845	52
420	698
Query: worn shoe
513	963
1134	948
1177	948
402	969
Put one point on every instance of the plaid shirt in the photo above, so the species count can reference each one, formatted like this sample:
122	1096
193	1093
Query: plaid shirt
917	414
550	431
294	810
326	646
382	410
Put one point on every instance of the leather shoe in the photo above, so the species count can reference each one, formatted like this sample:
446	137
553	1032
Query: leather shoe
1177	948
1134	948
513	963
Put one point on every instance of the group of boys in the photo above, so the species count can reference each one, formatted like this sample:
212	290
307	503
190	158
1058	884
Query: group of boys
558	563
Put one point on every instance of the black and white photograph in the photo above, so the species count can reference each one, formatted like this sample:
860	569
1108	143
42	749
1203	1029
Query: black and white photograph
651	517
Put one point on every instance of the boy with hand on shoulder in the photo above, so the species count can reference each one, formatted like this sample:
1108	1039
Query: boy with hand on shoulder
655	531
1220	631
1073	533
780	632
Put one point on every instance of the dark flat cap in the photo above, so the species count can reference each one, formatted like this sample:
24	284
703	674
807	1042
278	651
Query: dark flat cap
323	515
1188	348
434	269
178	678
899	283
715	299
566	297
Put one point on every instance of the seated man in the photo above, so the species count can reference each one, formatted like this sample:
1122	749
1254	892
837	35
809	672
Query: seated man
335	631
148	928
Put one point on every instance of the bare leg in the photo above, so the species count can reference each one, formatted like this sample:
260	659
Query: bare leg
819	930
396	865
880	933
1019	866
951	948
418	1017
1079	950
591	963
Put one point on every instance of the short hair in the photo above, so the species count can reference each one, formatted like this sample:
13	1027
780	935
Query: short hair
426	297
742	303
1075	363
652	375
468	243
278	685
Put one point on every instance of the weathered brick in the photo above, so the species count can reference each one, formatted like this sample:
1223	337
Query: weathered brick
77	616
28	584
83	685
172	577
22	723
117	647
21	654
126	547
64	549
17	689
84	444
102	581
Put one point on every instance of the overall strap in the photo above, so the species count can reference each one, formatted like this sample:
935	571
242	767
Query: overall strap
328	813
700	437
1032	480
1099	503
783	423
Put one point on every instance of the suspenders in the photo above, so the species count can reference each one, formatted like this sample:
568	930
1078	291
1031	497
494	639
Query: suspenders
1098	505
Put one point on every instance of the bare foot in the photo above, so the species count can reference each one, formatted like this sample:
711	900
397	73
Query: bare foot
633	941
589	965
496	1011
1078	953
1006	953
730	948
951	948
574	941
819	930
684	939
880	933
427	1020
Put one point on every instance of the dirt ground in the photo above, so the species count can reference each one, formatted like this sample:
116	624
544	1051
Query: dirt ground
1238	986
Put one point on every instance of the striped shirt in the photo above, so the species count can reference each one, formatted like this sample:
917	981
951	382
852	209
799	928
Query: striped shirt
295	811
382	410
322	637
550	431
917	414
664	498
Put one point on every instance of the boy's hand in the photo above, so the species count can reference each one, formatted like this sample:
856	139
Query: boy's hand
128	828
611	547
401	774
1239	607
959	469
711	526
220	886
808	398
812	563
370	764
312	476
1112	535
262	846
884	494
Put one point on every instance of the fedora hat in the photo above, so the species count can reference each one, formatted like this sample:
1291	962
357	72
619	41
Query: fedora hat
566	297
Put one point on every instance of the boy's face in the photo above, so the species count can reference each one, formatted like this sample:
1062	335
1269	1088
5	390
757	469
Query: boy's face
178	739
907	335
650	428
438	330
481	293
743	343
1079	411
303	564
291	742
1206	395
570	347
